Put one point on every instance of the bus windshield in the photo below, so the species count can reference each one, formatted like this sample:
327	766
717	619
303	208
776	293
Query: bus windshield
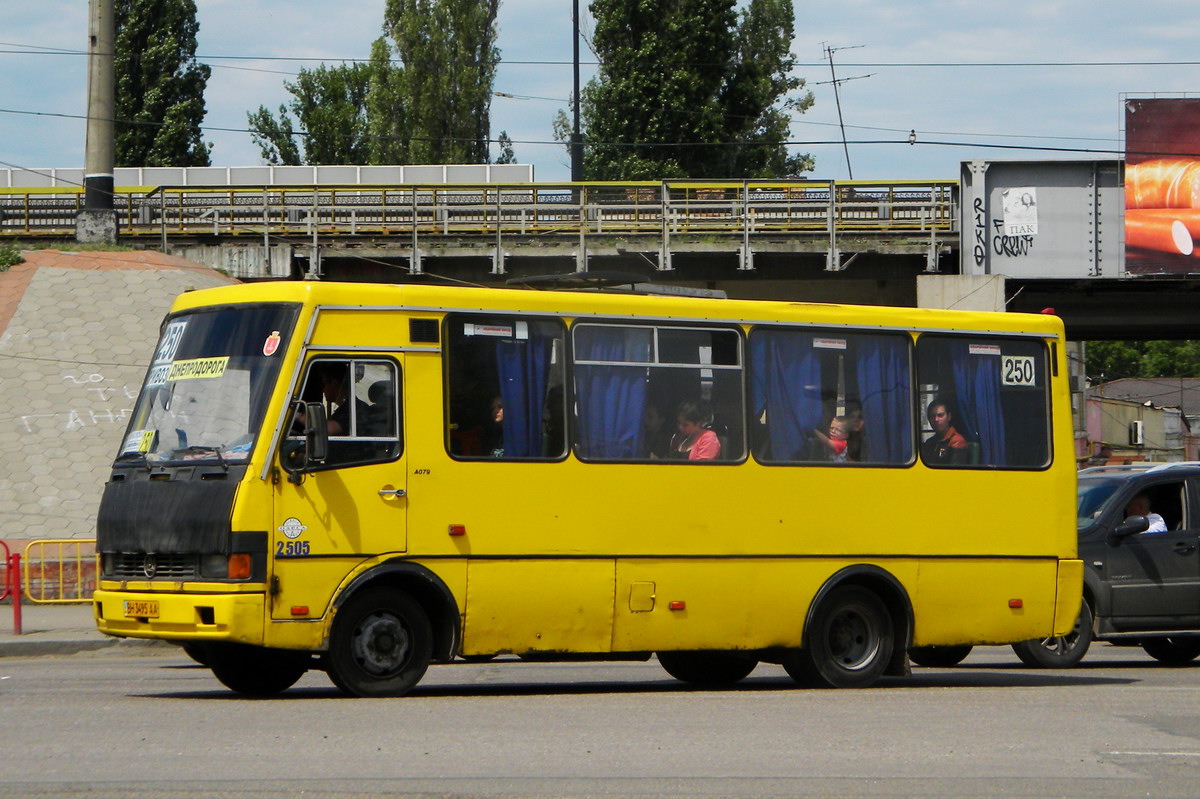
207	389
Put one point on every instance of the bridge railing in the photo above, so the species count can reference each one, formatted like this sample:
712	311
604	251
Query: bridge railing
666	207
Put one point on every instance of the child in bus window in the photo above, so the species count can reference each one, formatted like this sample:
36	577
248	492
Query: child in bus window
837	440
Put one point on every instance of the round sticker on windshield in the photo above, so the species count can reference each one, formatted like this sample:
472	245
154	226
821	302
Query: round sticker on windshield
272	343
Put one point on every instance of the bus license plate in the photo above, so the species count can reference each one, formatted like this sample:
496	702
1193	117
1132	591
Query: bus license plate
141	608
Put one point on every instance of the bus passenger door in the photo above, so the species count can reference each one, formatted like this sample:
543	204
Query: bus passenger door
332	515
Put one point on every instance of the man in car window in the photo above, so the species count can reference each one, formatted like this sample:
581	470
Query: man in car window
1140	506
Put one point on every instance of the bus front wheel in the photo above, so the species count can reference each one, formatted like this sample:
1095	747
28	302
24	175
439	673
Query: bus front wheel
707	668
849	641
255	671
381	644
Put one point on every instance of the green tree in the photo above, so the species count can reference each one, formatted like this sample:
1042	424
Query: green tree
330	109
691	88
159	85
435	108
504	143
1111	360
424	97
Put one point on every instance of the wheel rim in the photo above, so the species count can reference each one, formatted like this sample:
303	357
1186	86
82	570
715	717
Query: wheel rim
853	639
381	644
1062	644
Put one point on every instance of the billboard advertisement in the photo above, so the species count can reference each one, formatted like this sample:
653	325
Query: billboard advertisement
1162	186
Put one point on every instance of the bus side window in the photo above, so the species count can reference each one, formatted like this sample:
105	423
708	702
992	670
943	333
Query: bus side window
831	397
985	401
635	384
504	380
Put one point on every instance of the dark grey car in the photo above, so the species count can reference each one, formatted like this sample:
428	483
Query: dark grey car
1141	588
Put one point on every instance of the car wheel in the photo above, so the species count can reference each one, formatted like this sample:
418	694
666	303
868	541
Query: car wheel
381	644
255	670
1172	651
707	668
849	641
939	656
1059	651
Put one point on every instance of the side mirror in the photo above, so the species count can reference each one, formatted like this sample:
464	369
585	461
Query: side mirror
297	456
1131	526
316	434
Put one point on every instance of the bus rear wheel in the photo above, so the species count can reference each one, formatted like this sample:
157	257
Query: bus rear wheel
255	671
381	644
849	641
707	668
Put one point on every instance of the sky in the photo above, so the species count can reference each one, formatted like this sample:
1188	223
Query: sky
990	81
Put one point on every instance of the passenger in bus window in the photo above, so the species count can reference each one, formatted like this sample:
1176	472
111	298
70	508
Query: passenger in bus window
837	440
656	437
694	441
946	446
493	440
856	448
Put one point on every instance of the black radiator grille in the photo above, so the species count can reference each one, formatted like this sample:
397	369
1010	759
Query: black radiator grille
143	566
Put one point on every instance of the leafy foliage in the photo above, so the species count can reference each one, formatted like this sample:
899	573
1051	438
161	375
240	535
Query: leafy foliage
330	105
160	85
691	88
1111	360
424	97
9	256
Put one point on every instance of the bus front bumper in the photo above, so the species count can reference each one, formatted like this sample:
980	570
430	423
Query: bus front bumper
180	617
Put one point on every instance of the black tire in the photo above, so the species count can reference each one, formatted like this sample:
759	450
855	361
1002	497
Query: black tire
1059	651
707	668
197	652
381	644
254	670
1172	651
939	656
849	641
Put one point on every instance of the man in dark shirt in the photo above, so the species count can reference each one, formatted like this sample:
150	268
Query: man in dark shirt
946	446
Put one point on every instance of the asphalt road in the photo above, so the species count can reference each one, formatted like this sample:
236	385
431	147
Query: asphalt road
148	723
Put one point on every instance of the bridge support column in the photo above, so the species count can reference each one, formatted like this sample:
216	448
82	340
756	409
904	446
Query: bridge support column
961	292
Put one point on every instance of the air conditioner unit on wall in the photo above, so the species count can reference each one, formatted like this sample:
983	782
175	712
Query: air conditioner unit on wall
1137	433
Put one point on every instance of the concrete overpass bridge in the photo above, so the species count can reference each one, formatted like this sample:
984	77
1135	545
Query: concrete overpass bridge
875	242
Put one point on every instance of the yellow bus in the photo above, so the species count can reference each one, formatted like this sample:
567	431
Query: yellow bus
366	479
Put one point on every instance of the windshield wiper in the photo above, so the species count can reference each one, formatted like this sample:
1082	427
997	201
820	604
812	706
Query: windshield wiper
198	448
141	456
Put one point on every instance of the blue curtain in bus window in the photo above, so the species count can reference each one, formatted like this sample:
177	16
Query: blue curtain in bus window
881	367
977	383
524	367
611	399
786	383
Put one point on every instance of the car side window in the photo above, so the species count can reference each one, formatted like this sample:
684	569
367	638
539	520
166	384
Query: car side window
361	397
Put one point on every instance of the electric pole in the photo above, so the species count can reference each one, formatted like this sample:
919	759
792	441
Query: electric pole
97	221
576	136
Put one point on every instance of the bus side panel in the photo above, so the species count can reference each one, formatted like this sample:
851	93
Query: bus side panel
971	601
727	604
538	606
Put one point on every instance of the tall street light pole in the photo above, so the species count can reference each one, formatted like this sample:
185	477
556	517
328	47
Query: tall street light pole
576	136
